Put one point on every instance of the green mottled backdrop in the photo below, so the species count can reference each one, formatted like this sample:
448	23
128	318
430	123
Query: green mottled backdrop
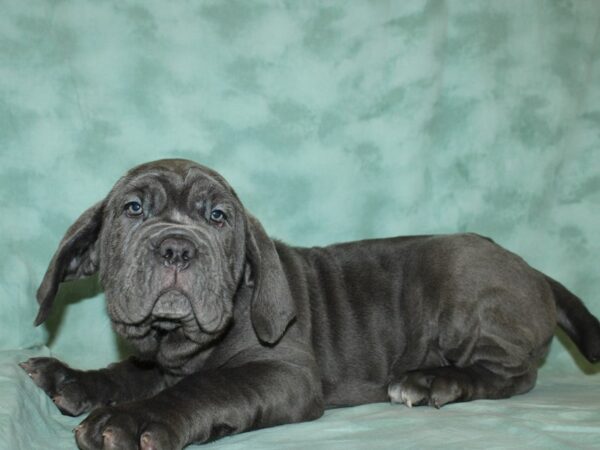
333	120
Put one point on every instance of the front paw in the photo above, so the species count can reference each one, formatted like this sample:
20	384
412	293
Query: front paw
61	383
133	426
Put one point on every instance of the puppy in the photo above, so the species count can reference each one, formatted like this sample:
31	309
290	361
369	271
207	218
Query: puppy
234	331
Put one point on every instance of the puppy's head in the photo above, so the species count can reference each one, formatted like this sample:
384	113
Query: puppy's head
173	244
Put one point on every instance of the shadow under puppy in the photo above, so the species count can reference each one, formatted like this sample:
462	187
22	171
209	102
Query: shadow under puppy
234	331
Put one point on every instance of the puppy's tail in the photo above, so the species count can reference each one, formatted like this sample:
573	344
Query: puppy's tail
576	320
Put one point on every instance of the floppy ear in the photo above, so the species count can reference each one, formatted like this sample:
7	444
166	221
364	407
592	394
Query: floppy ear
76	257
272	305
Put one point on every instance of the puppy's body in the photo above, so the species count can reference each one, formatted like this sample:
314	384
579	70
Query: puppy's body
235	331
429	302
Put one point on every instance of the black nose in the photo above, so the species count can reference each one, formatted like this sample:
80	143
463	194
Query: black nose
177	251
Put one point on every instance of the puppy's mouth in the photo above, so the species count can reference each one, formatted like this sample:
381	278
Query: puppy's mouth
170	307
164	326
175	317
171	312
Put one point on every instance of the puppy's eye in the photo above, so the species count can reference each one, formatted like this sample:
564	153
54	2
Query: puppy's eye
217	216
133	209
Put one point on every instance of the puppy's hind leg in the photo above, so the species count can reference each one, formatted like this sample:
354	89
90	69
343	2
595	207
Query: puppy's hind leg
493	369
442	385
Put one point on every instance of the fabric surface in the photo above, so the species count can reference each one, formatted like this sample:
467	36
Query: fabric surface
333	121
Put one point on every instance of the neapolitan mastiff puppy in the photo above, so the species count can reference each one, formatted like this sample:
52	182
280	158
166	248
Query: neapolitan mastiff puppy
235	331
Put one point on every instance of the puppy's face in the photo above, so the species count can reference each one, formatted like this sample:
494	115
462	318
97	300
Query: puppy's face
170	250
173	245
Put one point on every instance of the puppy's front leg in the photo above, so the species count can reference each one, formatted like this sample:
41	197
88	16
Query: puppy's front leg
77	391
206	406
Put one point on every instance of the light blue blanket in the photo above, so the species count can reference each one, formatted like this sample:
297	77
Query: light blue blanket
333	121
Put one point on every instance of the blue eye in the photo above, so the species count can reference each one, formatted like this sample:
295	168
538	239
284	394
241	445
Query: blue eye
217	216
133	209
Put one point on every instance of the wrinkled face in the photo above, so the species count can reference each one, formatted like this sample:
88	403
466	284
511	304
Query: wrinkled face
171	258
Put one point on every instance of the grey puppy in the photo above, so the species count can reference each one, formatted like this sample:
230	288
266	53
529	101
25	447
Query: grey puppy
234	331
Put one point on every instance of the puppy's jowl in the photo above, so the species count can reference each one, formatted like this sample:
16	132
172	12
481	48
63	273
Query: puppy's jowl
234	331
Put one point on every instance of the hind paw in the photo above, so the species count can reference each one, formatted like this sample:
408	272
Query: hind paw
425	388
